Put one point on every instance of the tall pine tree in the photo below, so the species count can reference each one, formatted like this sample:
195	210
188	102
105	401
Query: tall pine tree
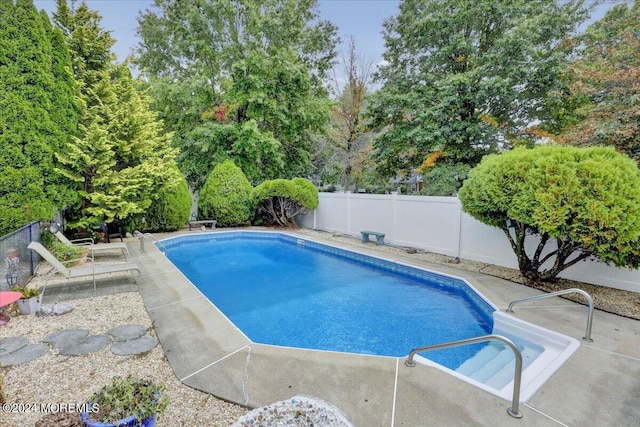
121	154
38	113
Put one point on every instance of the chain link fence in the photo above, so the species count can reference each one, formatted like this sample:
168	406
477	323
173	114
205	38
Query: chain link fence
18	262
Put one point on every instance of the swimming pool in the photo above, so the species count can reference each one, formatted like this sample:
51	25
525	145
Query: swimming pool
285	291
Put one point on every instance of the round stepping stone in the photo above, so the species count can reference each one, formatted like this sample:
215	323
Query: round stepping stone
25	354
66	338
11	344
88	345
127	332
137	346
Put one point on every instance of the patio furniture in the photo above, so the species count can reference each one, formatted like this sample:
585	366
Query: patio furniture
90	270
204	222
94	247
367	234
113	229
6	298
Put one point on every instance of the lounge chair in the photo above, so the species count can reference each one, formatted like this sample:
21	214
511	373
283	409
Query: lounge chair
95	247
91	269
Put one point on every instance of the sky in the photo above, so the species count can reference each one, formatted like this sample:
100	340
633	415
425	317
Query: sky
361	18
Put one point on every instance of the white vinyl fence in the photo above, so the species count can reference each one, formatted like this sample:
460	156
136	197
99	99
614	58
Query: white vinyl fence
437	224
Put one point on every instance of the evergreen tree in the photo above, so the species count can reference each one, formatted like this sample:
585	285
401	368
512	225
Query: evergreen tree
226	196
38	113
574	203
121	154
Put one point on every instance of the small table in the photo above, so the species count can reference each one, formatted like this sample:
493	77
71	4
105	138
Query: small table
6	298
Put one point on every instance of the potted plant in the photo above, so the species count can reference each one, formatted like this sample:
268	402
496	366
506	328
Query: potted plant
126	402
30	302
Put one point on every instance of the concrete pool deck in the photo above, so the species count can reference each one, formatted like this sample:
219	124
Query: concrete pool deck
598	385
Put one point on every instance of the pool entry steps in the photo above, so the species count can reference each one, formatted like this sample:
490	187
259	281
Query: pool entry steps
514	409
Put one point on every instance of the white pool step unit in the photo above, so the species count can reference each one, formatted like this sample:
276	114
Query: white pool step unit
492	368
494	365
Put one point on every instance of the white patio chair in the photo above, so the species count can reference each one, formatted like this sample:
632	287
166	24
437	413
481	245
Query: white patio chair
95	247
89	270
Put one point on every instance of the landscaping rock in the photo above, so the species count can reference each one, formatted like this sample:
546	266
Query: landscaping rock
11	344
56	309
23	355
297	411
88	345
137	346
127	332
66	337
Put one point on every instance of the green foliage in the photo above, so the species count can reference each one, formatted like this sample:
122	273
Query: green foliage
90	47
38	113
121	154
66	252
226	196
349	142
444	179
26	291
126	397
606	84
279	201
462	76
580	202
171	210
239	80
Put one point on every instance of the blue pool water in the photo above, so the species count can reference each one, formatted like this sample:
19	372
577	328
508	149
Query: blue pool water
282	291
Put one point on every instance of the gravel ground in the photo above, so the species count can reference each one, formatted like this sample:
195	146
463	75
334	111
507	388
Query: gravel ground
58	379
299	411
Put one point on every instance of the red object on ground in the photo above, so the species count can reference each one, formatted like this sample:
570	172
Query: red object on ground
7	297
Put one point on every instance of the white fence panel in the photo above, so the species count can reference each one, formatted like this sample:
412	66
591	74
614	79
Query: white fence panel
437	224
429	226
480	242
371	212
334	212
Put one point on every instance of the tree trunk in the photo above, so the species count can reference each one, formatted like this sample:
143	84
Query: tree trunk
566	254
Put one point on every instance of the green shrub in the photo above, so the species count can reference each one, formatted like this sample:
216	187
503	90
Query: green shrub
168	212
171	210
126	397
280	201
226	196
65	252
581	202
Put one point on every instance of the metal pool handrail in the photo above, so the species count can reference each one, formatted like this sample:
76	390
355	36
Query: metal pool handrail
513	410
587	336
163	248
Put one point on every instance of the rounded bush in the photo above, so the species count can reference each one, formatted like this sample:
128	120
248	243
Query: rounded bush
585	200
170	211
226	196
280	200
